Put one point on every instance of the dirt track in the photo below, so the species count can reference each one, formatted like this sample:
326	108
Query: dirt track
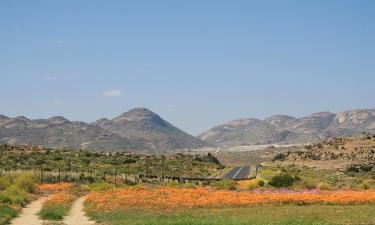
29	216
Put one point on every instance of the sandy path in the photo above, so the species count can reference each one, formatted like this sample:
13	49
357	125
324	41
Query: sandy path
28	215
77	215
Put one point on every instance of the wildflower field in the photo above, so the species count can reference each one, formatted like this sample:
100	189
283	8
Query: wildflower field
165	205
181	198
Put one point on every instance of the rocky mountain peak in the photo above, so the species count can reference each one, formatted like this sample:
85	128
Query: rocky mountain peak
137	115
58	120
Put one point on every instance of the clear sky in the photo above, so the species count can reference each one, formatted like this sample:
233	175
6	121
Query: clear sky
196	63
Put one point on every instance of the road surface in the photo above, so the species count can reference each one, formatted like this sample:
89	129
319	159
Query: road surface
238	173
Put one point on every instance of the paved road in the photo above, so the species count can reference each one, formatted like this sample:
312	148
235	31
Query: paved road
238	173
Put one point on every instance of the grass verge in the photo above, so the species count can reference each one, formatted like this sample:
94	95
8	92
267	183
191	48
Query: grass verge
57	207
255	215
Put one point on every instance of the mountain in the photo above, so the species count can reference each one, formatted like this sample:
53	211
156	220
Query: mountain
140	125
138	129
287	129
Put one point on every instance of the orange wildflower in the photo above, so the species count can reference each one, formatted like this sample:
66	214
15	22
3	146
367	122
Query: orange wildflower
170	198
54	187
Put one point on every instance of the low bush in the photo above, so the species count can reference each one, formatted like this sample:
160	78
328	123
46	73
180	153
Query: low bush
352	169
224	184
366	168
261	183
279	157
26	182
5	182
283	180
15	195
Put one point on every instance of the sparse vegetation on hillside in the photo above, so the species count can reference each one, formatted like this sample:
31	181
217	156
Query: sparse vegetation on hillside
352	154
89	165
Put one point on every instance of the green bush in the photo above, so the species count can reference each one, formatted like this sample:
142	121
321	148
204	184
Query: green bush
5	182
279	157
261	183
224	184
365	168
14	195
26	182
283	180
352	169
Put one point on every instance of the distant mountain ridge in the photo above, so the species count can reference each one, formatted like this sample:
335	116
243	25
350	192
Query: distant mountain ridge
137	129
287	129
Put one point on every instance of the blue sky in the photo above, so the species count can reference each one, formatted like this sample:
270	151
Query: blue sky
196	63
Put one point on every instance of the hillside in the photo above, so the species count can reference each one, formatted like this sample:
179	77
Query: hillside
353	153
138	129
287	129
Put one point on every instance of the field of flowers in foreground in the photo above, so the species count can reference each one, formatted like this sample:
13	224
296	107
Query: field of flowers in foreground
174	198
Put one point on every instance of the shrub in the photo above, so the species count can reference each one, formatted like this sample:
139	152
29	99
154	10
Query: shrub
280	157
14	195
5	182
365	168
283	180
261	183
224	184
26	182
101	186
352	169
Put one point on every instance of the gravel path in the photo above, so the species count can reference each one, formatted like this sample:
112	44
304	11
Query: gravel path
28	215
77	215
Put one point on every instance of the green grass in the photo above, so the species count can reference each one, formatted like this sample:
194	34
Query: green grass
6	214
256	215
54	212
15	190
224	184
